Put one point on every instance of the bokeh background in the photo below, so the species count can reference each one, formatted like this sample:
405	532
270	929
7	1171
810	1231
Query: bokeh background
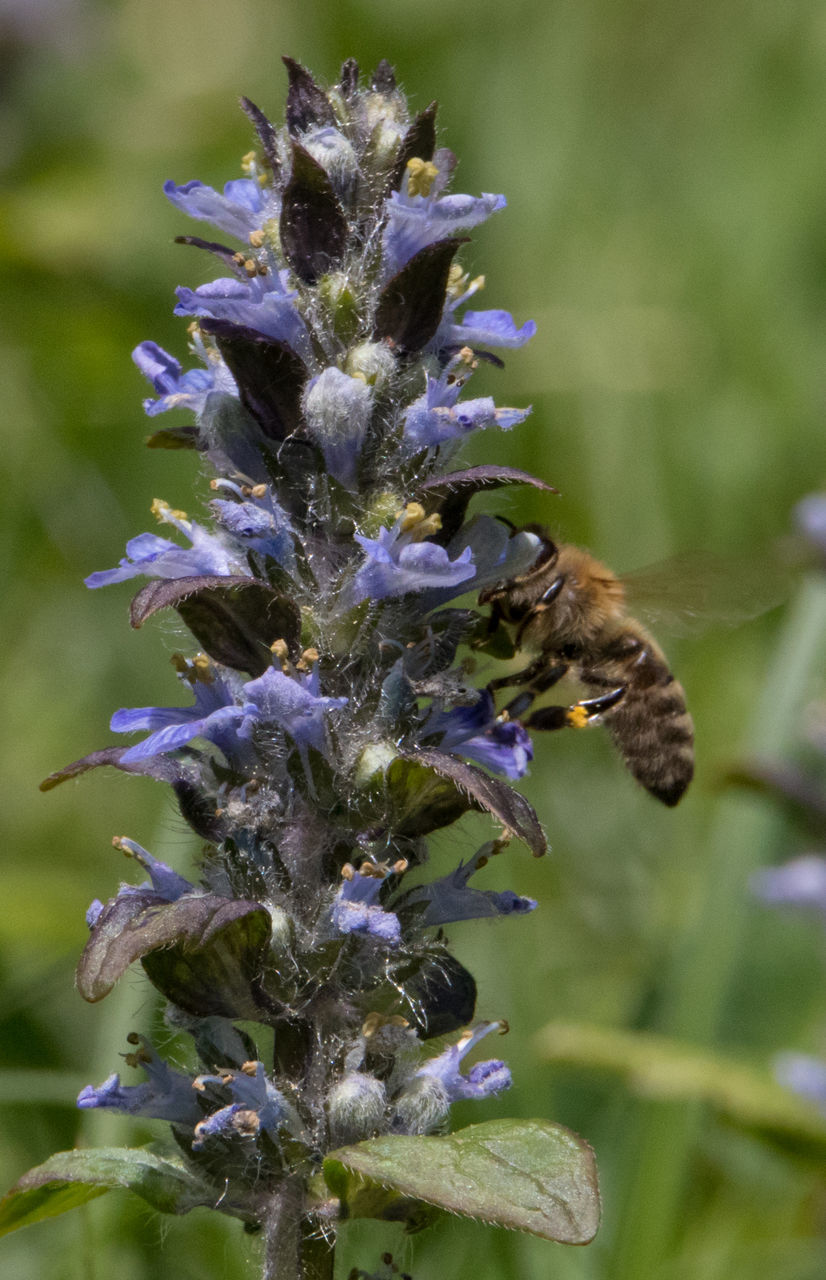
664	166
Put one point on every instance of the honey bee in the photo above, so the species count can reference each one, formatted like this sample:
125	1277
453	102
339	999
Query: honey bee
570	610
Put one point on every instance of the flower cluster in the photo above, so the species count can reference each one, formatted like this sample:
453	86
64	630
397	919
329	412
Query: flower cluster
330	722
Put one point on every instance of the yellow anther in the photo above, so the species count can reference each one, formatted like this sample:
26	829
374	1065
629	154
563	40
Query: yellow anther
375	1021
421	174
348	871
280	651
252	269
576	717
162	511
258	490
202	669
416	523
257	238
400	866
248	162
249	1068
467	357
308	659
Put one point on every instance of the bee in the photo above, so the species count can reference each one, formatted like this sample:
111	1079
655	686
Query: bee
570	610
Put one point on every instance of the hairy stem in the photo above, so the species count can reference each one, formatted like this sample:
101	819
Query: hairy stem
281	1227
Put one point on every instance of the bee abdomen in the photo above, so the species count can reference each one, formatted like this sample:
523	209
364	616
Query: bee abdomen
650	724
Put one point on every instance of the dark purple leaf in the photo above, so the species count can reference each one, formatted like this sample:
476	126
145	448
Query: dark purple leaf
269	374
383	79
453	492
418	143
410	305
491	795
307	104
174	438
234	619
349	78
201	951
161	768
313	227
266	133
442	996
228	256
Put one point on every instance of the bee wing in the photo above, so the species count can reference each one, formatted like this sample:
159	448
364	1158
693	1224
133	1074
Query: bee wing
689	593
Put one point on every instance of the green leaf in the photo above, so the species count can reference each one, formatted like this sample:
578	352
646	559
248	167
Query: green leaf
72	1178
528	1175
657	1067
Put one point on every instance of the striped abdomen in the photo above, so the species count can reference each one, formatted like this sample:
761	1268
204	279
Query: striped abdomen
650	724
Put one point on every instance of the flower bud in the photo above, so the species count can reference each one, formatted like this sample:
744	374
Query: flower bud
355	1108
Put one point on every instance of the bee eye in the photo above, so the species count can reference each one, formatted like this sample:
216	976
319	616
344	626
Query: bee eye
553	590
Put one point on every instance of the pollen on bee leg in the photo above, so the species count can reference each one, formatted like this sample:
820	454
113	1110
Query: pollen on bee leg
576	717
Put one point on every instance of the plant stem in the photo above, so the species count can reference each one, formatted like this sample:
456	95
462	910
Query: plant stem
294	1249
743	836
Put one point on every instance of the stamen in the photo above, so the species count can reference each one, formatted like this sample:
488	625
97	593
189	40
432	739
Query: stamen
421	174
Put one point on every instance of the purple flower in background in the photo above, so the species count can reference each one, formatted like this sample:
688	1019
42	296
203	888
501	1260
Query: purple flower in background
799	883
804	1075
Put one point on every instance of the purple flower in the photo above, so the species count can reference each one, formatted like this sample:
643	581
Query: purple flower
213	715
165	882
242	208
166	1095
176	389
262	524
398	561
496	552
414	221
436	418
483	1079
800	883
264	303
150	556
502	745
486	329
450	899
294	703
810	519
357	909
256	1104
804	1075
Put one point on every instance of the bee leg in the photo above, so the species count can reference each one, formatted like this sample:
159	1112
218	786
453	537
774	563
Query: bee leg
539	675
577	716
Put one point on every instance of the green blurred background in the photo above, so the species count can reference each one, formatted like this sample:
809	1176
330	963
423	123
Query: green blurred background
664	167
